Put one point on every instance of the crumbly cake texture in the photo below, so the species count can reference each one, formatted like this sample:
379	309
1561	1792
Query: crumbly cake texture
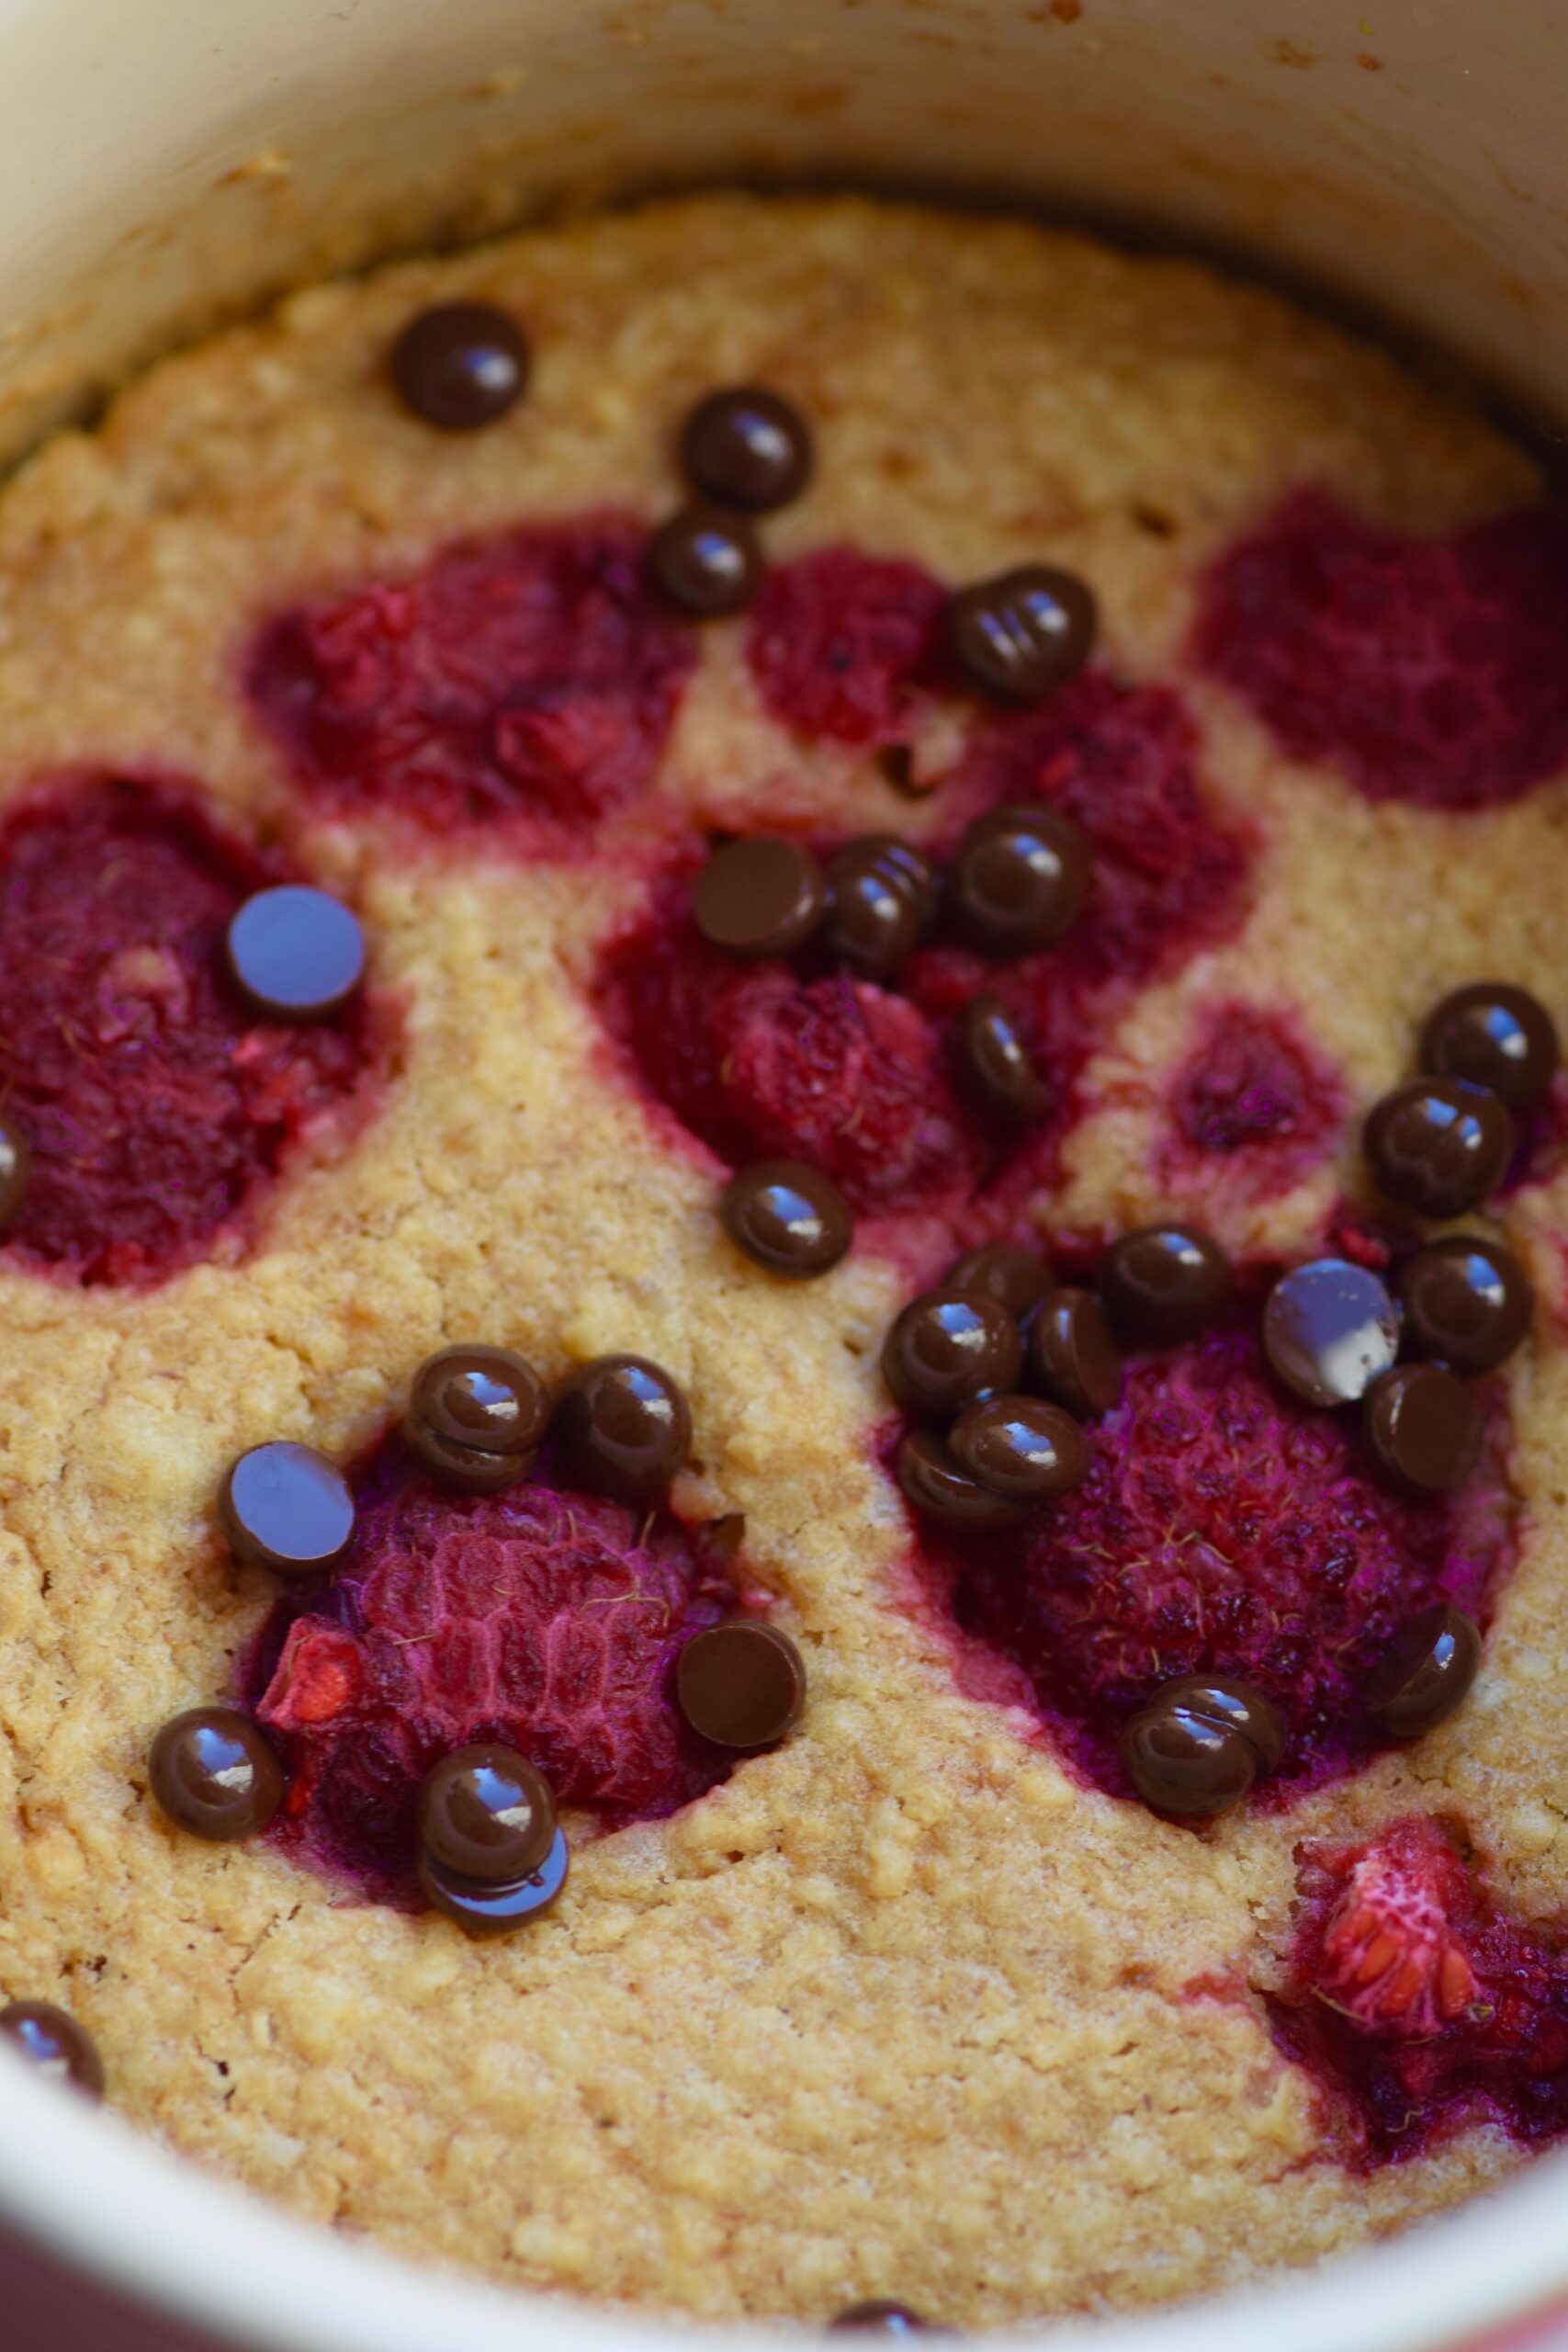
900	2008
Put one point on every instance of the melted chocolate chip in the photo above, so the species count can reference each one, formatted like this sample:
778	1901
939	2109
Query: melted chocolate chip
886	2319
213	1773
287	1507
295	954
741	1684
912	869
1495	1035
1018	880
622	1428
1024	632
1019	1447
483	1910
461	365
1424	1428
789	1218
761	896
1329	1330
748	447
15	1168
707	562
1187	1762
1166	1283
485	1815
1071	1356
50	2039
1017	1279
476	1417
874	911
1465	1300
1439	1143
1427	1672
1230	1700
939	1489
947	1348
994	1066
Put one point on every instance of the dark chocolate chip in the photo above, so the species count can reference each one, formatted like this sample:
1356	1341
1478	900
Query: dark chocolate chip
761	896
886	2319
707	562
1330	1329
874	911
1020	1447
461	365
1166	1283
789	1218
939	1489
912	868
1497	1036
287	1507
486	1813
994	1067
1017	1279
214	1774
1424	1428
476	1417
1185	1762
296	954
746	447
1018	880
1070	1355
1023	632
1426	1674
15	1169
50	2039
1230	1700
484	1910
1466	1300
947	1348
622	1428
741	1684
1439	1145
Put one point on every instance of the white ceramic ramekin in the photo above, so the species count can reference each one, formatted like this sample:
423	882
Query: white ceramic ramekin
165	161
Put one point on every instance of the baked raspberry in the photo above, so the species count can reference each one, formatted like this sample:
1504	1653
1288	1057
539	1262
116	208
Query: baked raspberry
1254	1104
1425	670
1223	1528
531	676
547	1619
1416	2001
843	645
157	1104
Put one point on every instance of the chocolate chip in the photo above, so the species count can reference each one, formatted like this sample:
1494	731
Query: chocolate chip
886	2319
287	1507
296	952
1070	1355
1187	1762
947	1348
1020	1447
483	1910
874	911
1023	632
939	1489
789	1218
761	896
1427	1672
15	1169
486	1813
994	1067
741	1684
1330	1329
748	447
623	1429
50	2039
1018	880
475	1418
1495	1035
912	868
1424	1428
212	1771
1017	1279
1439	1143
1466	1300
461	365
1230	1700
707	562
1166	1283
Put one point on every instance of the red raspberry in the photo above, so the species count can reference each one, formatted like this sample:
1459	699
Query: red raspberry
1254	1104
843	645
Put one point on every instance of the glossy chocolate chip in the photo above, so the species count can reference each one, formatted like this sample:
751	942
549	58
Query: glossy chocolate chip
912	868
886	2319
1166	1283
1427	1672
741	1684
484	1910
476	1417
486	1813
933	1481
50	2039
994	1067
287	1507
295	954
1018	880
1230	1700
623	1429
1020	1447
761	896
1497	1036
1424	1428
461	365
1330	1329
1017	1279
947	1348
789	1218
213	1773
1185	1762
1439	1145
1071	1356
1023	632
747	446
707	562
15	1169
874	911
1466	1300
